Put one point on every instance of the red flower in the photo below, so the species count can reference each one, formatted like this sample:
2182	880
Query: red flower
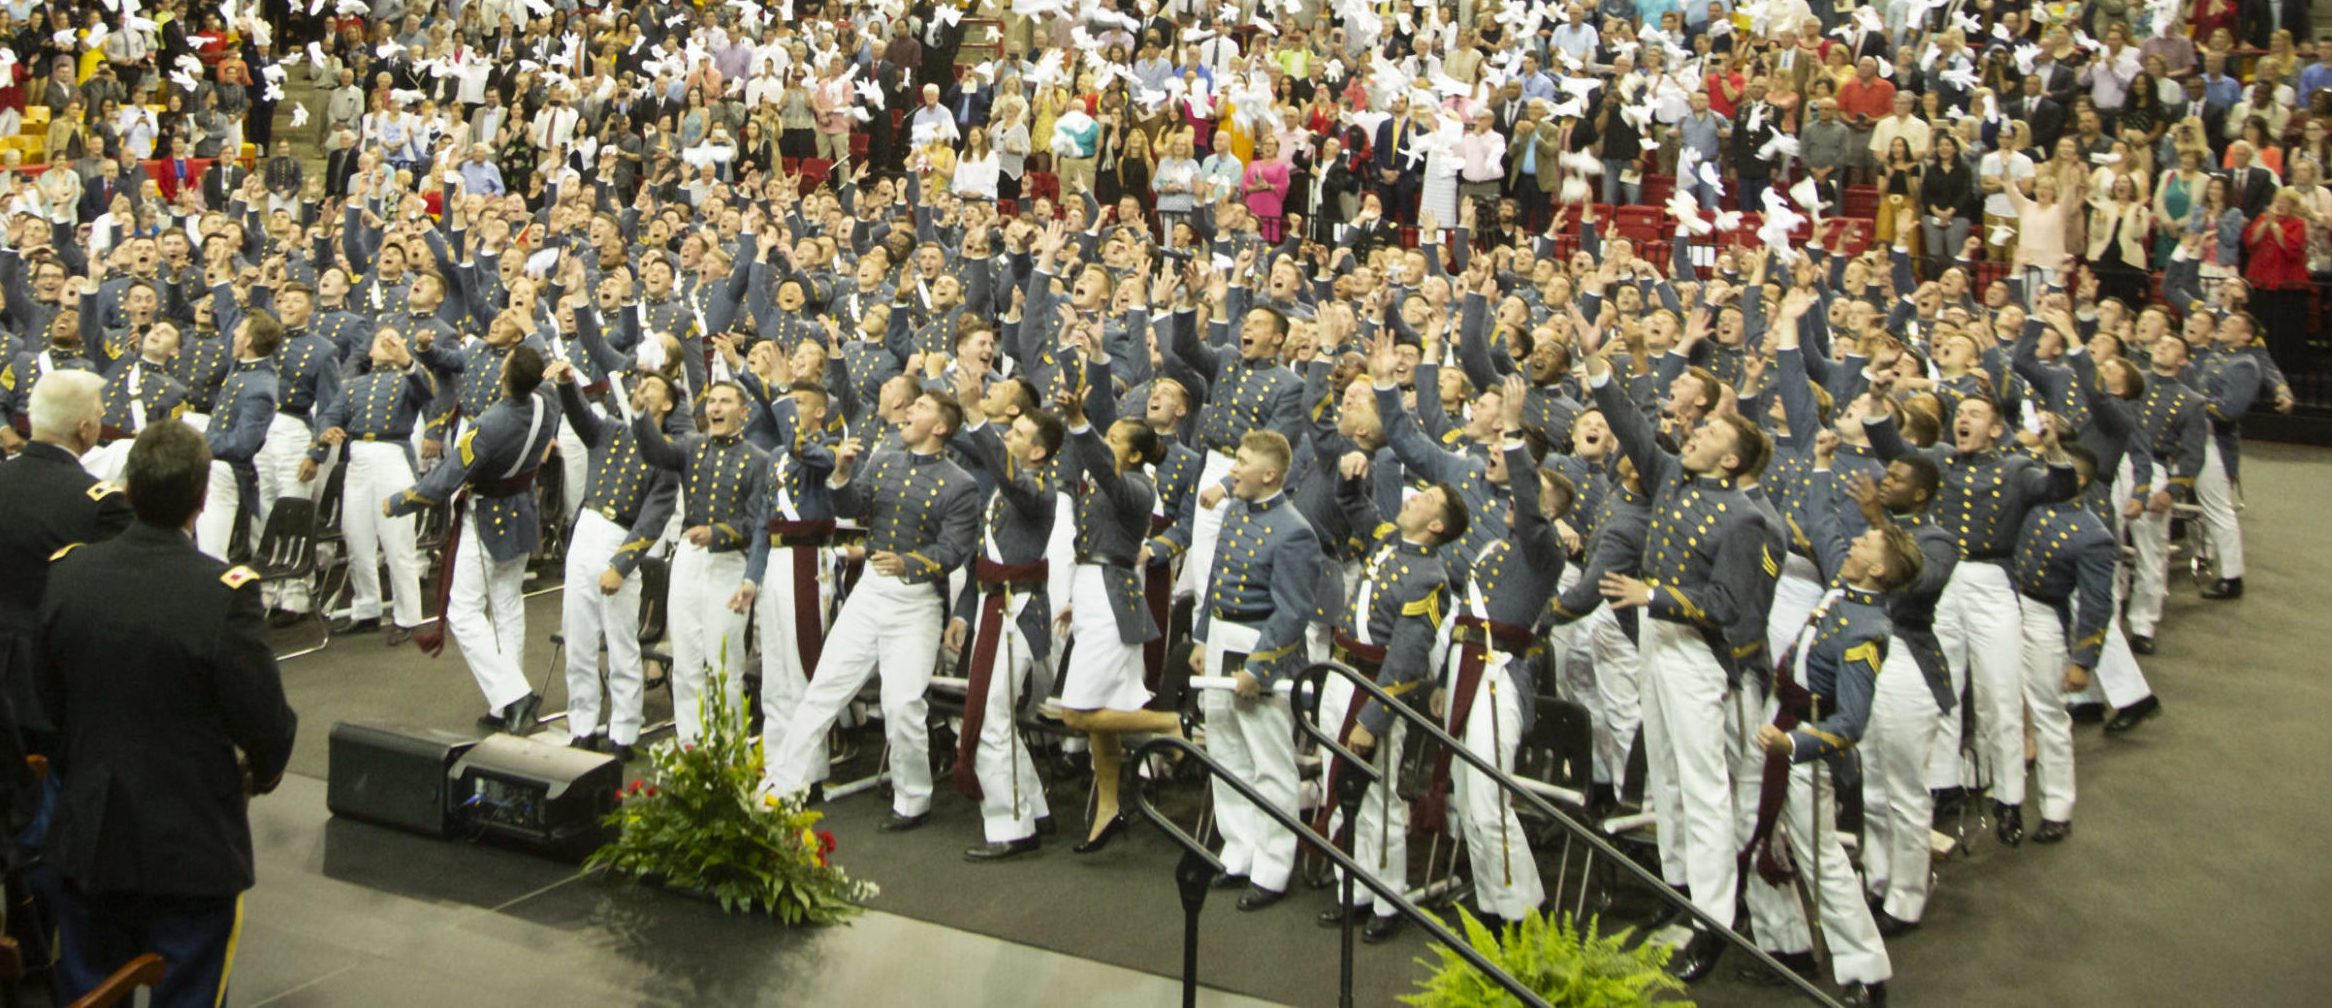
637	784
651	792
826	843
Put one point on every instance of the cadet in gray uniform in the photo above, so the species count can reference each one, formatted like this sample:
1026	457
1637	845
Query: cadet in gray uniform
372	419
1710	563
1397	614
1250	627
922	516
625	506
489	479
2064	569
721	477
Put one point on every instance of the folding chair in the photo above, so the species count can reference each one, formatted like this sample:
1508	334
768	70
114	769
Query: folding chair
286	554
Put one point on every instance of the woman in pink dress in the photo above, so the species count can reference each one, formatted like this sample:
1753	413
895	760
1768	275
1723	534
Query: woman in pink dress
1266	185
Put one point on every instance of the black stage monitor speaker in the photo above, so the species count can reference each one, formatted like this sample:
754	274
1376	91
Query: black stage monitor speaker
536	794
393	776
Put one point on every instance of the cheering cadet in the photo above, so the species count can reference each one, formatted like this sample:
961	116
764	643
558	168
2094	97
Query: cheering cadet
372	421
2064	568
721	480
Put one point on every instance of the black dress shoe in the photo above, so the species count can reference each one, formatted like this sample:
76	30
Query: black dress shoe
1045	826
1891	925
2133	715
2052	831
518	718
344	627
1109	831
2224	589
1226	880
1800	963
896	823
1381	928
1336	915
2141	644
396	635
491	721
624	752
588	743
2086	713
2008	823
1697	957
1871	995
1002	851
1948	801
1256	897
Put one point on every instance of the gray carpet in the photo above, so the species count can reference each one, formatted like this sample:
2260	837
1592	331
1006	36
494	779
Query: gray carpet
2194	874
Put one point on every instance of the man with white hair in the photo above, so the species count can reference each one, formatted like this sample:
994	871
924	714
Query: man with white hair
48	504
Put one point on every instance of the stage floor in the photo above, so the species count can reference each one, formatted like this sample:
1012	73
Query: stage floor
2193	875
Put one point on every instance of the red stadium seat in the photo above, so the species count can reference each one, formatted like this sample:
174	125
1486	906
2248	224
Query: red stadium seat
1860	201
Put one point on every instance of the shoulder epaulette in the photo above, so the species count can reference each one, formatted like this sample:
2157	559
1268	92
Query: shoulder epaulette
102	489
62	550
238	576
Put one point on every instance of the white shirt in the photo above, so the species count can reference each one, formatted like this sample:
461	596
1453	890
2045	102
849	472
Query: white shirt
2008	167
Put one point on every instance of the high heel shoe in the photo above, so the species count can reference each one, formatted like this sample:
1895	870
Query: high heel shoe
1093	844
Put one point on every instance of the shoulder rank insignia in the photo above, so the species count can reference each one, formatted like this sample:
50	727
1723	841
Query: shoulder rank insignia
102	489
62	550
238	576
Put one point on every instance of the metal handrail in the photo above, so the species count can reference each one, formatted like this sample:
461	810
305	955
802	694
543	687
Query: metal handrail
1196	857
1313	676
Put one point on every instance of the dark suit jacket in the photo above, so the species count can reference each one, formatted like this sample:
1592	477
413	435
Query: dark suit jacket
154	661
2255	21
2047	120
2253	187
222	182
1387	155
967	100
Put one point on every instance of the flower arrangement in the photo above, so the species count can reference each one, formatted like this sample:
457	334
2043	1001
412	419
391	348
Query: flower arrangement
1564	963
697	823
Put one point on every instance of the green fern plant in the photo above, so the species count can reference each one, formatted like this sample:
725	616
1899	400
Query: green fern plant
1569	966
697	823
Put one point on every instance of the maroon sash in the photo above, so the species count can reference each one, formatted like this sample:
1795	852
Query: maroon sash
995	580
1158	594
1769	853
430	636
1474	636
1366	658
809	620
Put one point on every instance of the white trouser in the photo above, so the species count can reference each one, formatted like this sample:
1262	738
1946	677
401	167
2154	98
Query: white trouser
2216	494
1687	733
1857	955
1255	741
2117	681
486	611
1620	708
278	465
591	619
1898	812
1775	919
1012	799
1506	881
886	625
377	469
1380	834
1206	529
214	528
707	638
2052	727
1979	623
1794	598
574	469
784	677
2150	537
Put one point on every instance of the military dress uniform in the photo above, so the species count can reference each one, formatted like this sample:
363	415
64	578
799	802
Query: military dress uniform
2064	569
1243	396
1170	520
136	391
1251	618
721	477
2230	380
625	506
377	410
1820	693
154	661
1907	715
240	418
492	468
2175	419
926	510
1711	558
1492	683
1979	618
307	374
1107	614
793	525
25	369
1006	606
1396	622
47	503
1615	545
